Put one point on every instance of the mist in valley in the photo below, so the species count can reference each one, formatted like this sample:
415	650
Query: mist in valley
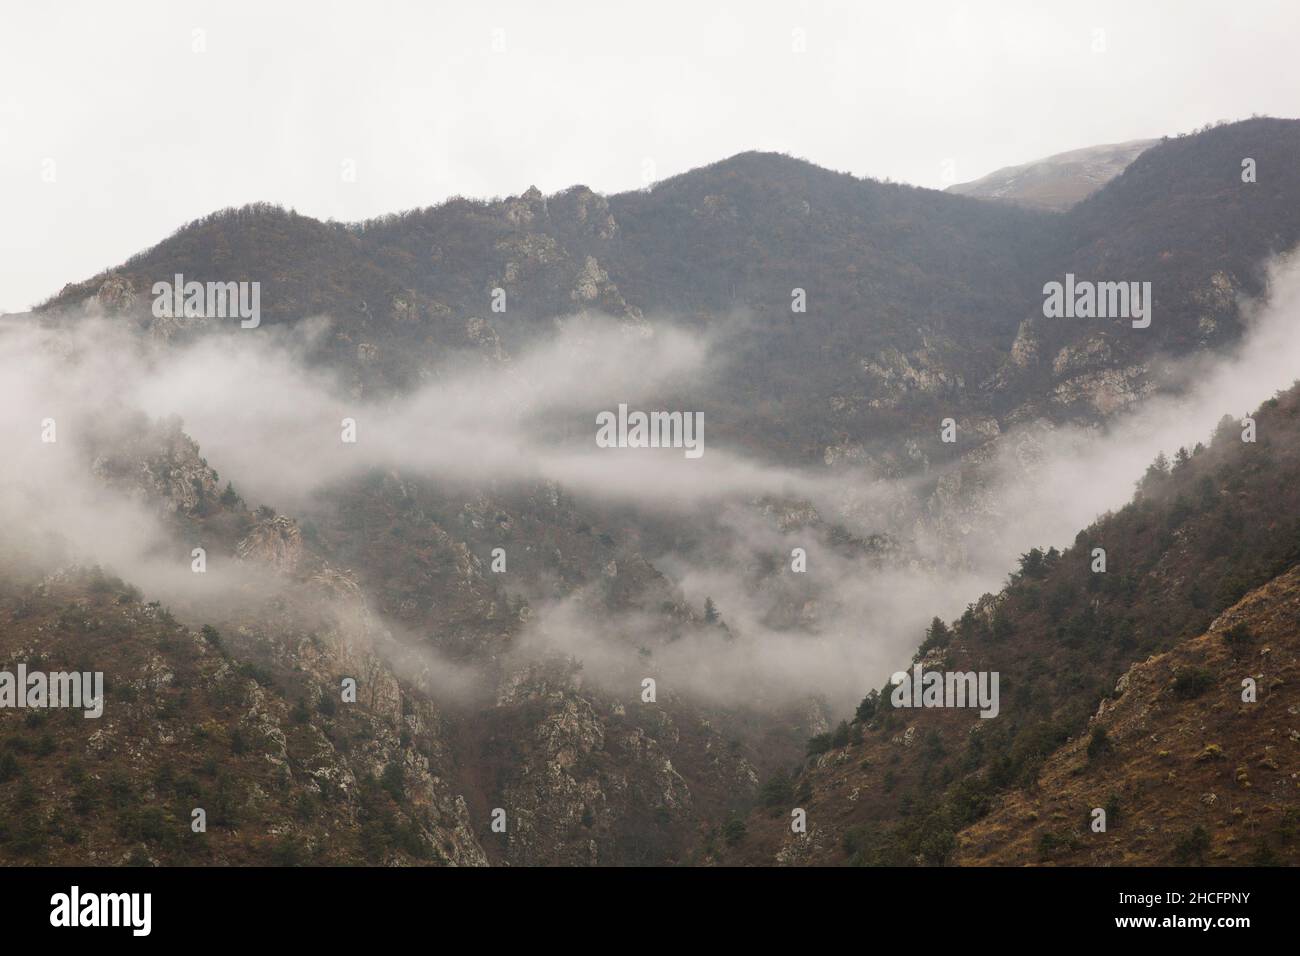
269	421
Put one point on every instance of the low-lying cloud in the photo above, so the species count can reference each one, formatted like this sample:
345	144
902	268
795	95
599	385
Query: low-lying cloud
271	422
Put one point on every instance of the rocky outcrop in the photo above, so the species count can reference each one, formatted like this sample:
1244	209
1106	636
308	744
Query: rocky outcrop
275	540
895	376
158	464
115	295
1106	391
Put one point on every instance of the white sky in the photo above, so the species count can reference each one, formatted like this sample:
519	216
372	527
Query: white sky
142	133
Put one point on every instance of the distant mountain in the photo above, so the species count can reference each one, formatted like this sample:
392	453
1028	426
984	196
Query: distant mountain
1057	182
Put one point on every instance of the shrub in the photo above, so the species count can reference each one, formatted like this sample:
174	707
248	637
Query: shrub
327	704
867	709
855	841
937	846
819	744
288	851
1098	744
1192	845
1049	844
1238	636
733	831
1112	810
778	790
1192	682
393	780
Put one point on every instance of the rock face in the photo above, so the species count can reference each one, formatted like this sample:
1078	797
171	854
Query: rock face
158	464
115	294
275	541
1106	390
595	781
894	376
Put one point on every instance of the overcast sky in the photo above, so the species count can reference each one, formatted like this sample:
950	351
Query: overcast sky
120	122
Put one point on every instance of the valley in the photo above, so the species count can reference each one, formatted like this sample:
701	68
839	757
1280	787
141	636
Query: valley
500	586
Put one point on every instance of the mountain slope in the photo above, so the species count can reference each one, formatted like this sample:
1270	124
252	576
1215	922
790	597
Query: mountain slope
901	786
1186	771
250	729
1056	182
1181	218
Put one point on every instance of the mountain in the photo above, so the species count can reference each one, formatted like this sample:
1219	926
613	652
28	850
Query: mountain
524	691
917	301
1120	689
1059	181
